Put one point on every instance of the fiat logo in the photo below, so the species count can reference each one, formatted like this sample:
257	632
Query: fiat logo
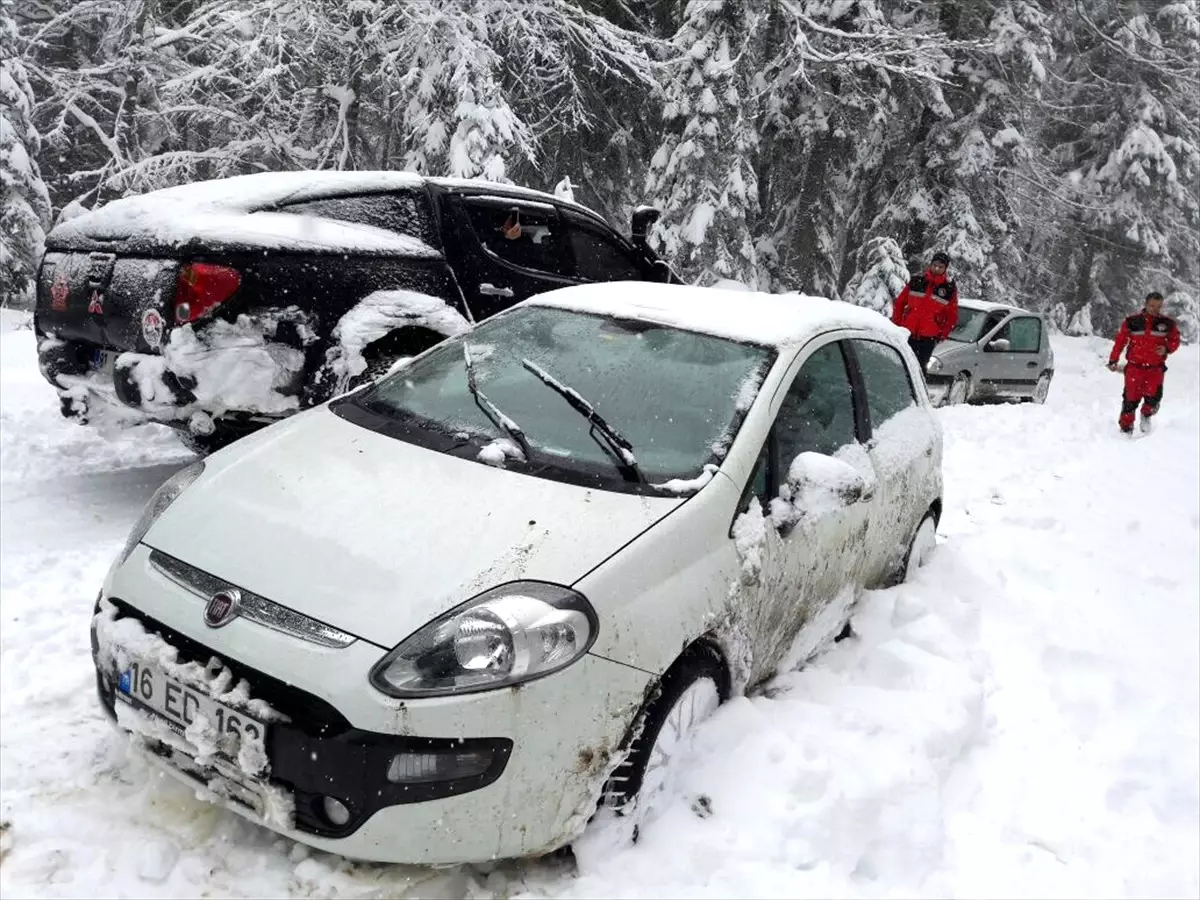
222	608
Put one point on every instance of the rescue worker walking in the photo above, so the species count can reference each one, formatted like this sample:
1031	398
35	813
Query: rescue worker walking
928	308
1150	336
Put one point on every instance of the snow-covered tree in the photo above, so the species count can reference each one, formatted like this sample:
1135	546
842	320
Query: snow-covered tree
702	174
24	201
881	277
1123	151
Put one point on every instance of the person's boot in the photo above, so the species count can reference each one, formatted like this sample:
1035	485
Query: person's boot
1146	422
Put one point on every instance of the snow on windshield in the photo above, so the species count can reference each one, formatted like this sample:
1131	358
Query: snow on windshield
675	395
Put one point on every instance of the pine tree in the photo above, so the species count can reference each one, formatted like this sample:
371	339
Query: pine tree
24	202
1127	157
702	174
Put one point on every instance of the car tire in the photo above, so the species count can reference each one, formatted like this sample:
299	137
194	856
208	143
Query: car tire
204	444
1042	389
920	548
687	695
959	391
382	354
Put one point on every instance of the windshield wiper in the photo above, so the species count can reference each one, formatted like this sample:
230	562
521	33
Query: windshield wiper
614	442
491	410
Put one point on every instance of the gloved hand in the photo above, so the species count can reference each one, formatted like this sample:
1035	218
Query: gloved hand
1112	365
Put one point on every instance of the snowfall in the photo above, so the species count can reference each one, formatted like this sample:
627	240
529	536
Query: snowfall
1021	720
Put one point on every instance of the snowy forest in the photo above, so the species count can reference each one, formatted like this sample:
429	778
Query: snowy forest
1052	148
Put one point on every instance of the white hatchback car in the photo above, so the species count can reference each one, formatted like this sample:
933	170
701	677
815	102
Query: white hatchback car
441	618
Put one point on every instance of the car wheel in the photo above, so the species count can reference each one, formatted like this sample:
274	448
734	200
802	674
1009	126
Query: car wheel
381	355
688	694
921	547
960	390
1042	389
204	444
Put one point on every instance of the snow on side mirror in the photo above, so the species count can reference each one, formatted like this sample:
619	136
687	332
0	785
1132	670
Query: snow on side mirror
816	485
1000	345
643	218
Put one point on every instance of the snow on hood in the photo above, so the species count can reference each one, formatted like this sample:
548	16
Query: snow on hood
778	320
229	212
376	536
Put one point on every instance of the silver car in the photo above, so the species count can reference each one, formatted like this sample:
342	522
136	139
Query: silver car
996	352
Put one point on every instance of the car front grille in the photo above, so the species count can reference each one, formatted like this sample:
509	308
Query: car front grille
308	713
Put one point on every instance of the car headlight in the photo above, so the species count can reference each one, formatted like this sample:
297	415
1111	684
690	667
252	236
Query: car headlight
505	636
934	365
163	497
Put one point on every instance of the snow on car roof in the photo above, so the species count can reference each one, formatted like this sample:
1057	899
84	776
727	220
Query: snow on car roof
989	306
495	187
777	320
231	211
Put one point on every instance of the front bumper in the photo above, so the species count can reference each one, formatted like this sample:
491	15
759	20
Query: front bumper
552	741
938	386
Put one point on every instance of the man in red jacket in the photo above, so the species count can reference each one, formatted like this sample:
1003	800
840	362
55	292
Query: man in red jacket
928	308
1150	336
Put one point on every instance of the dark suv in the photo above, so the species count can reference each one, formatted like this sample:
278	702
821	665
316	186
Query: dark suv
221	306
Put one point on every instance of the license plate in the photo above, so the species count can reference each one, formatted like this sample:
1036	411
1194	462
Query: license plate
104	361
146	688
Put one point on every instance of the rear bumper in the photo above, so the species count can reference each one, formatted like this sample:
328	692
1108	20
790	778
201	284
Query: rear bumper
134	388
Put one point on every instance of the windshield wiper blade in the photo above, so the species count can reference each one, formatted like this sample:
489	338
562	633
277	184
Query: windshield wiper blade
491	410
614	442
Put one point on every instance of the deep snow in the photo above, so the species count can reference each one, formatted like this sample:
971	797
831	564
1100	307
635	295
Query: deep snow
1021	720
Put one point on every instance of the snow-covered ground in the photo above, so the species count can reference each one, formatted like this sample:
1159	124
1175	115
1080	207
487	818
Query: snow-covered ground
1022	720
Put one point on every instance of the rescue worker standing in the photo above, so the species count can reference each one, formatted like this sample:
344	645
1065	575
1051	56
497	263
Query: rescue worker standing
1150	336
928	308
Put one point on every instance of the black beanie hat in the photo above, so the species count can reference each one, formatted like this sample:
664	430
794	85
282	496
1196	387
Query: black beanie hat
940	257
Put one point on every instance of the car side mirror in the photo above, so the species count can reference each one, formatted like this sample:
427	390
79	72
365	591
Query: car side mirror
818	484
644	218
1000	345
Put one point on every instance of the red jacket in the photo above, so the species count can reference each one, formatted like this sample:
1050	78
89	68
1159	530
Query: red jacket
928	306
1150	339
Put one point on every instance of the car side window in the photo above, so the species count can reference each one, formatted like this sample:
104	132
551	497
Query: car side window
817	413
885	377
401	213
597	256
1024	333
993	319
525	236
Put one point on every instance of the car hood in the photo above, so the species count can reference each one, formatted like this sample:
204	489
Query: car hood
376	536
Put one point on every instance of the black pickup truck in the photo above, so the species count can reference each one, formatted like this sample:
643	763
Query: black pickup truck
221	306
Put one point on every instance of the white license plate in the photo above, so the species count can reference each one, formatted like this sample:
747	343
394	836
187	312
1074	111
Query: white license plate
104	361
145	687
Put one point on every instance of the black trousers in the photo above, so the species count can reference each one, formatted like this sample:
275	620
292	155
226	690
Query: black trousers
922	348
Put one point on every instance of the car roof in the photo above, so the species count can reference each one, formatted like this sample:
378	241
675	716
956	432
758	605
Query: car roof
483	186
775	320
988	306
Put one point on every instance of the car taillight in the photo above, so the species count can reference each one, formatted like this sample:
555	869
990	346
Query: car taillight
201	288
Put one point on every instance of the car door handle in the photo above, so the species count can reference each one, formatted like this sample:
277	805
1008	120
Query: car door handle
1031	365
490	290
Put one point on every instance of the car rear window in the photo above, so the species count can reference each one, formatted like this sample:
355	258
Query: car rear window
403	213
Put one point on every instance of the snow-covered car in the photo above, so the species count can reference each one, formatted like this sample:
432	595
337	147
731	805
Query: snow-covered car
221	306
453	615
995	352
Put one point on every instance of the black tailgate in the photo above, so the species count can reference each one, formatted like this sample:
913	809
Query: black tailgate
102	297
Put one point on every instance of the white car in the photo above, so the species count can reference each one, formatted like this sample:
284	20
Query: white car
440	619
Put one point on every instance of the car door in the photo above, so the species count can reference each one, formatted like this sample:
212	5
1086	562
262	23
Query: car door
505	249
597	254
901	445
1014	355
812	550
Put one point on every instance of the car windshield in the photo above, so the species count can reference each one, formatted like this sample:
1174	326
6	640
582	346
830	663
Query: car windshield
676	397
970	325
